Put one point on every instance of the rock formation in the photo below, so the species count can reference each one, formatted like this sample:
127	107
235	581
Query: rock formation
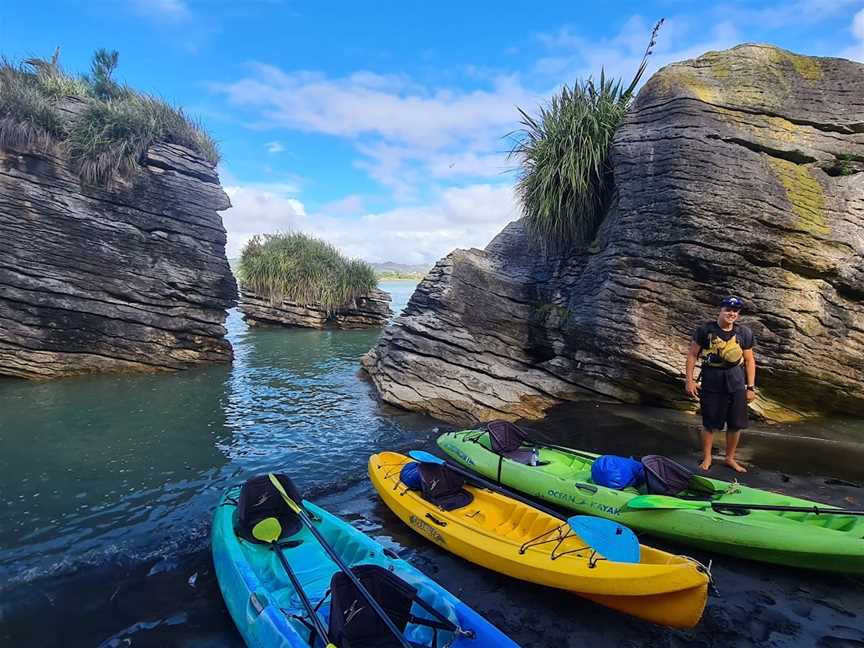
737	172
132	277
367	311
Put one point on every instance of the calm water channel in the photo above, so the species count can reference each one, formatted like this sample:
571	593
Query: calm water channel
107	486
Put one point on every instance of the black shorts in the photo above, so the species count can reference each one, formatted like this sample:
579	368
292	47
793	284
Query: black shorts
724	409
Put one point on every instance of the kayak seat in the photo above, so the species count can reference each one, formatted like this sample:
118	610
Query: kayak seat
505	437
259	499
354	624
520	455
443	487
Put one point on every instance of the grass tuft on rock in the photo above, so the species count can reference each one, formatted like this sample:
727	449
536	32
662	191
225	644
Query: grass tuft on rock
104	127
298	268
566	181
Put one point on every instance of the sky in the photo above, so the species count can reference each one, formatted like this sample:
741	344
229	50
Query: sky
383	127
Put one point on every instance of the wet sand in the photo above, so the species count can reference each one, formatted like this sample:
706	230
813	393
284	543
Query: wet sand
176	601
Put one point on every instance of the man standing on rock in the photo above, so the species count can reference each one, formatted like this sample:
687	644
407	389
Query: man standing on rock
728	379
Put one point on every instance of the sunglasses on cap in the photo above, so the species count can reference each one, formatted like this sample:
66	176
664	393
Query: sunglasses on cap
732	303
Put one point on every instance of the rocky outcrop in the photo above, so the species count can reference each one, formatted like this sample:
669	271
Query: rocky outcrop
132	277
367	311
737	172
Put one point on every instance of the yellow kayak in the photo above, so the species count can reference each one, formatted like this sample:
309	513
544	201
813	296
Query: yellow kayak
504	535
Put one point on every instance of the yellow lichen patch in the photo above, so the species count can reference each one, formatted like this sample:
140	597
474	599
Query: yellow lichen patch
718	64
806	66
804	193
783	129
679	78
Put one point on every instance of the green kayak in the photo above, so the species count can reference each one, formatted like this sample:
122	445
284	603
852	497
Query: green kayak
562	476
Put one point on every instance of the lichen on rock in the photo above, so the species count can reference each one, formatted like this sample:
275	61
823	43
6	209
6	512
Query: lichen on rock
804	193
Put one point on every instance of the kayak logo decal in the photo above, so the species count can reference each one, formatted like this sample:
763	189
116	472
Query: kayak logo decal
427	529
353	611
463	456
580	501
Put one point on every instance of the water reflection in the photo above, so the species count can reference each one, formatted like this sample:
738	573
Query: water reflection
128	467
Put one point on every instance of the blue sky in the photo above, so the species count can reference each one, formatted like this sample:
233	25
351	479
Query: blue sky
381	126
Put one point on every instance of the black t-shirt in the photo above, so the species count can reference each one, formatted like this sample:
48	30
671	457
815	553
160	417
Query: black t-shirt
727	377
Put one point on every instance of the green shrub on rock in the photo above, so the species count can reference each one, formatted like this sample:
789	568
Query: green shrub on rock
304	270
104	127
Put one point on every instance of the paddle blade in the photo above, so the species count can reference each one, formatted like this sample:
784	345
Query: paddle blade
425	457
267	530
294	506
614	541
665	502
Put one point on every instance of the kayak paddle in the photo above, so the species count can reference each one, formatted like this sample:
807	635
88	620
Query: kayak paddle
667	503
268	530
614	541
304	518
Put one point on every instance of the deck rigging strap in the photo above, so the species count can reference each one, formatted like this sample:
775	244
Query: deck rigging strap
536	542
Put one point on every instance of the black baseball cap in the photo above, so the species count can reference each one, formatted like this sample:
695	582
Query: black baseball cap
734	303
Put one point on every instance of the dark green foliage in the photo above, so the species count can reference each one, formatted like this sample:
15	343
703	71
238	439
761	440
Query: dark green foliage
105	137
847	164
101	69
566	179
304	270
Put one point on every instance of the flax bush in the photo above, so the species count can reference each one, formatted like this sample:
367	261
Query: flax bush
565	182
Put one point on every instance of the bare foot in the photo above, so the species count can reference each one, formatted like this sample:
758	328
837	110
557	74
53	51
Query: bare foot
734	465
705	465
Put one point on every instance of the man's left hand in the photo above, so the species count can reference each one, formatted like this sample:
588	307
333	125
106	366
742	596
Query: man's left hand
751	395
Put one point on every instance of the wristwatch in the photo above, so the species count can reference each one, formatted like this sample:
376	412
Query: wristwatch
751	387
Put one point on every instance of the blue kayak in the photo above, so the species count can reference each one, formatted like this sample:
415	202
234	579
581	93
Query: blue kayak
269	613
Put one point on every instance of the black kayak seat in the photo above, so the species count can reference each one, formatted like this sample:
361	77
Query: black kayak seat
259	499
443	487
354	624
506	439
663	476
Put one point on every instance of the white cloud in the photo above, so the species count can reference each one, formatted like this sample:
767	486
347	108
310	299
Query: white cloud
260	209
275	147
573	57
462	217
166	10
856	52
368	104
790	13
352	205
405	133
858	25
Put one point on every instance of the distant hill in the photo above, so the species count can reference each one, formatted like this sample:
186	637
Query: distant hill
390	270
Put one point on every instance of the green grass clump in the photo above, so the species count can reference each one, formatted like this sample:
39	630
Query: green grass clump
566	181
28	116
301	269
103	126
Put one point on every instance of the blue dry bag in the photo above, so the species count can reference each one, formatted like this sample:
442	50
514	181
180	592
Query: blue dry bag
410	475
616	472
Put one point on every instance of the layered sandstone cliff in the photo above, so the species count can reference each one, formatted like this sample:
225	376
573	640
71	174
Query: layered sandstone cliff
737	172
366	311
132	277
